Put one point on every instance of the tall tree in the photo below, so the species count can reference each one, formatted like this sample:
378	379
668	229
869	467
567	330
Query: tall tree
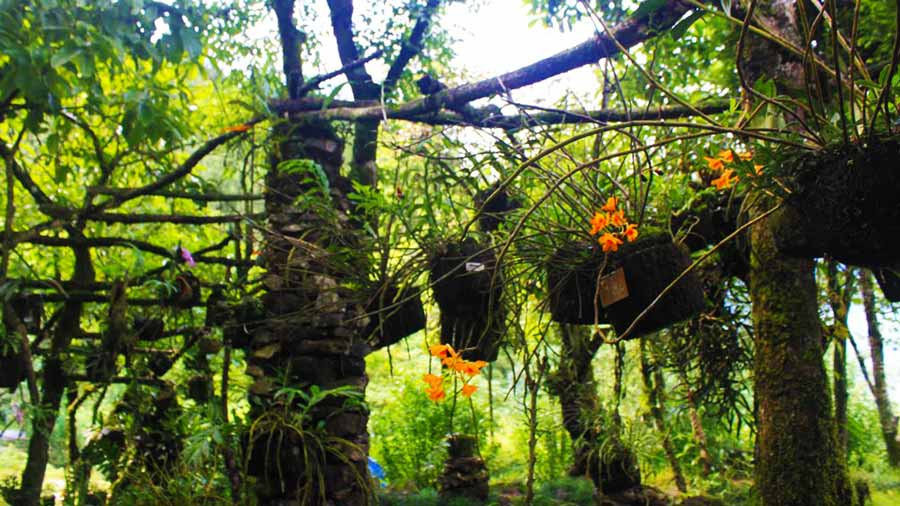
879	388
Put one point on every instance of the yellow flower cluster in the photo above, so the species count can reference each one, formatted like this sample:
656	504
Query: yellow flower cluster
717	164
464	369
612	226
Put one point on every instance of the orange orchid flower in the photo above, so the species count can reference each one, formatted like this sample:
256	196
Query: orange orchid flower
609	242
726	156
631	232
745	155
758	169
440	350
725	180
610	205
618	218
433	381
436	393
468	390
714	163
237	128
452	358
471	368
599	222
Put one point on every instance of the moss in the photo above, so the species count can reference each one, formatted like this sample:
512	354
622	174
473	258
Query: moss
795	449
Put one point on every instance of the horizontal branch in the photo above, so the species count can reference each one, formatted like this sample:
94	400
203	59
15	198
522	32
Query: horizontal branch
183	170
109	242
119	379
172	218
83	296
200	197
483	118
602	45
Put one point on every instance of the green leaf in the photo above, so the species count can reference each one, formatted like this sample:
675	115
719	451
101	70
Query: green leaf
191	42
682	26
648	7
64	55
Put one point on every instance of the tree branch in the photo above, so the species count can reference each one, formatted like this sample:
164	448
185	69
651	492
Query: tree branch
46	205
628	33
316	81
183	170
483	118
411	46
291	38
200	197
342	25
172	218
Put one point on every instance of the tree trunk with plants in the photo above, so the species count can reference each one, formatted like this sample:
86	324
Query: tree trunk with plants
612	467
53	385
795	452
308	443
654	387
886	415
840	287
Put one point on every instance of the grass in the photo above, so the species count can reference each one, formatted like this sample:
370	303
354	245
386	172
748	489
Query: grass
12	461
886	498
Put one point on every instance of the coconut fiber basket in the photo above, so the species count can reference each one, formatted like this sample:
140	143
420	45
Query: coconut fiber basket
396	313
639	271
843	203
467	287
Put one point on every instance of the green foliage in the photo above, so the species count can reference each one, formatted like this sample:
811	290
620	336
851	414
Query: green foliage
409	436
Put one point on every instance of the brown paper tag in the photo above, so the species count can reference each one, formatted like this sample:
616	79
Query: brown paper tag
613	288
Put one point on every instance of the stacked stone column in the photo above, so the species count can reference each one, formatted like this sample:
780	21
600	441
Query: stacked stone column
311	335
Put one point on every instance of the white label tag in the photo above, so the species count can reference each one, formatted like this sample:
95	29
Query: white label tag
474	266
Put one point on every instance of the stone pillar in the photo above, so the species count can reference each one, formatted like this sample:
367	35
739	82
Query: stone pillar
464	475
309	452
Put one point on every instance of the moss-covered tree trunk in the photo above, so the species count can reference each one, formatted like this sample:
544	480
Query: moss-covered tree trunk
879	391
301	451
53	385
794	447
613	468
652	376
840	289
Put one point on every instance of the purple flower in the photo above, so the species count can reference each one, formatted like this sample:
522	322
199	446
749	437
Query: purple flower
186	256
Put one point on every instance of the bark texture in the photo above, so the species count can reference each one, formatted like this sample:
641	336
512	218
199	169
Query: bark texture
614	469
794	447
305	452
879	391
53	386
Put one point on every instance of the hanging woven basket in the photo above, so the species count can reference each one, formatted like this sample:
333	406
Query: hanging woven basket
200	388
12	369
629	281
467	286
395	314
494	210
889	281
843	203
30	309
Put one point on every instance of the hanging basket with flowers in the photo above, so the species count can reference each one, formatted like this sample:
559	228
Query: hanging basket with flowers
842	202
467	286
621	276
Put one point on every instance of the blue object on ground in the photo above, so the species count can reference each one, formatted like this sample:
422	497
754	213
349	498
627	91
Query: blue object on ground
377	471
